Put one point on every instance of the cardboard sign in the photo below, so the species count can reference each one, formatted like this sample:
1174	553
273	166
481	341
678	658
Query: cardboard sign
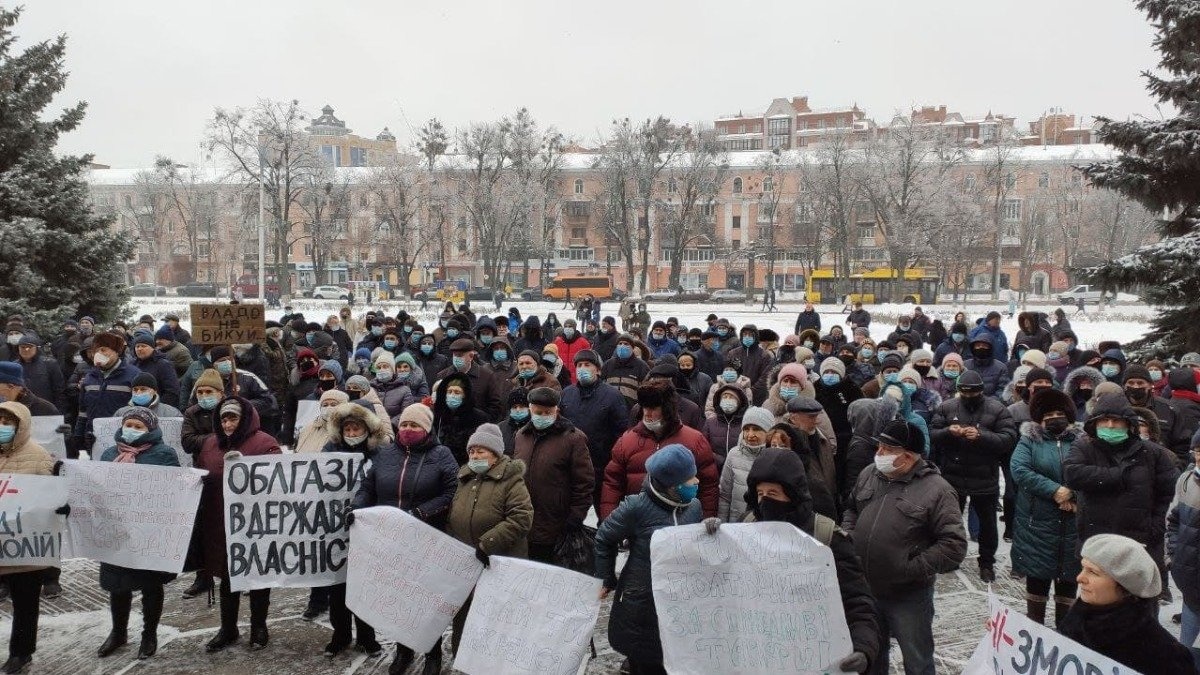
224	324
406	579
132	515
306	411
30	530
1012	643
752	598
45	433
105	430
285	518
528	617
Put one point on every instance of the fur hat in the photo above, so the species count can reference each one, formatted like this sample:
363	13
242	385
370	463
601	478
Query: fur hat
1047	400
487	436
1126	561
111	340
655	394
419	413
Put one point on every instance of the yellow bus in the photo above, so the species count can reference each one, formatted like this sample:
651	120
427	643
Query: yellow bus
913	285
599	286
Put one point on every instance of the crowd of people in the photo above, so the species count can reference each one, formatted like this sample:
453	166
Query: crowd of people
506	432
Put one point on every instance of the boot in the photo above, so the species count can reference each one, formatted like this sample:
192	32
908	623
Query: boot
1035	608
337	645
1062	604
260	602
119	605
986	573
200	586
404	659
17	664
433	660
152	607
228	634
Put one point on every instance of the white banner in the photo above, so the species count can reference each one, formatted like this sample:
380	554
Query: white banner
527	617
306	411
105	430
30	530
1015	644
406	579
285	518
132	515
45	433
753	598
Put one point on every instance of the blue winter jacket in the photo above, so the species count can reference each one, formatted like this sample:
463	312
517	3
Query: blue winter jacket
999	339
1045	535
949	346
164	373
994	373
429	474
599	411
1183	537
101	394
667	345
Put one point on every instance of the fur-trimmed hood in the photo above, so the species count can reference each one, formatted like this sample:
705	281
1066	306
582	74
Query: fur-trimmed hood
1071	383
378	432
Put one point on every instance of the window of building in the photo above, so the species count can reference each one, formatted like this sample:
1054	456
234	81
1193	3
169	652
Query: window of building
737	186
672	186
801	125
821	124
578	209
308	250
358	156
787	282
327	153
1012	210
969	183
578	232
691	255
778	126
737	222
769	184
128	201
577	253
1010	181
1044	180
578	186
741	128
736	244
708	210
987	132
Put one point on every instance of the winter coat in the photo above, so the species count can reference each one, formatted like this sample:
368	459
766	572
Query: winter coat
625	375
188	381
912	336
732	505
493	511
808	320
452	428
420	480
117	579
710	362
395	395
180	359
313	437
949	346
1044	538
867	418
164	372
925	401
1031	333
859	318
102	393
835	400
996	335
1121	489
756	363
633	622
660	348
605	343
541	378
994	373
742	382
1187	416
45	379
38	407
247	439
1071	387
484	389
599	412
23	456
559	476
254	360
626	471
431	365
722	430
1183	537
698	385
156	406
972	467
906	530
1130	634
379	430
198	425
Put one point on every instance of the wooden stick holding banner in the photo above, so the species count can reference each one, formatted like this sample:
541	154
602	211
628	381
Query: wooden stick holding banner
220	324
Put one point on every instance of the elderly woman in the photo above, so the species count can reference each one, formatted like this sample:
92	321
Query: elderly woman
315	434
20	454
491	510
668	497
237	434
1117	610
138	441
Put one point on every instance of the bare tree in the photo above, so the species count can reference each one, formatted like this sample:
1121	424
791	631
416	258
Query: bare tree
694	181
1002	165
396	189
150	210
616	165
432	144
833	180
324	207
659	142
958	237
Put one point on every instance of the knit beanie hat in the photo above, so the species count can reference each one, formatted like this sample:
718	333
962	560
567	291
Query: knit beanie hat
487	436
1126	561
164	333
1021	375
1035	357
1060	347
952	359
795	370
589	356
210	378
358	383
910	374
384	358
405	357
335	395
891	361
759	417
12	373
671	465
1036	374
833	365
145	380
518	396
919	355
231	407
1136	371
419	413
143	415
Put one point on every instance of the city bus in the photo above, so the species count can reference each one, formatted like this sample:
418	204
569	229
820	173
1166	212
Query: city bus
600	286
914	285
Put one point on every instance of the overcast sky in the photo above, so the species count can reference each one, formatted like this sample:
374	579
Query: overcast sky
153	71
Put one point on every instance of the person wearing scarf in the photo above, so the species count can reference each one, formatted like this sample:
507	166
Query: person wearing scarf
138	441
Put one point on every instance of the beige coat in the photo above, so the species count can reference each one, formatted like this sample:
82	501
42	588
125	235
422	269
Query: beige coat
23	456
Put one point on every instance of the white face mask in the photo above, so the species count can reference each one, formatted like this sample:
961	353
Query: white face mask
354	440
886	464
100	360
652	426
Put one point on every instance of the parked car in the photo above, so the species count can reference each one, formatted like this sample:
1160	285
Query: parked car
676	295
532	293
330	293
147	290
618	294
727	295
480	294
197	289
1090	294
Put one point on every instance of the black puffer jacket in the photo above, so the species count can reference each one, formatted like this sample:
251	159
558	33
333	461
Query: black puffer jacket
867	418
453	427
1032	334
1123	488
1129	633
972	467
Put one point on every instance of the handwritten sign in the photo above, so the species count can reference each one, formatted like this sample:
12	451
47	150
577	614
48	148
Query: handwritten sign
753	598
222	324
132	515
306	411
105	429
285	519
527	617
406	579
45	433
1014	644
30	530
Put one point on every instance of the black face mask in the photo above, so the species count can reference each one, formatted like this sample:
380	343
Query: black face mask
694	345
354	394
981	353
846	359
1137	395
1055	427
1084	394
1022	393
923	370
787	349
686	372
972	403
326	385
774	510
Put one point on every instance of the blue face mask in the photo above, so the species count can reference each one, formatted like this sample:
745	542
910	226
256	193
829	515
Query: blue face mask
1155	375
376	330
723	332
958	337
310	337
1110	369
687	492
486	339
500	355
519	414
624	351
909	388
141	399
453	401
891	378
950	374
130	435
224	367
451	332
1054	356
426	349
416	337
526	373
788	393
747	341
390	344
408	329
867	353
460	362
7	433
830	379
543	421
729	375
568	333
585	376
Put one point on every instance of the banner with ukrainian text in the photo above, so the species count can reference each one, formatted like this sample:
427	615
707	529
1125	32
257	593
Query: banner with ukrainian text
30	530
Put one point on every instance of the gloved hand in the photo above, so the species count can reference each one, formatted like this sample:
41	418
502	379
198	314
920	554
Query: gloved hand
483	557
57	470
855	663
232	456
711	525
63	429
64	510
573	525
349	518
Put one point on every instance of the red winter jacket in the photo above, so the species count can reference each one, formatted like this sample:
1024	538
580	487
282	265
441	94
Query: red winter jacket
568	350
627	469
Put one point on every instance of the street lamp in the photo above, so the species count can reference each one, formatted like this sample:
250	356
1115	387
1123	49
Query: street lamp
750	252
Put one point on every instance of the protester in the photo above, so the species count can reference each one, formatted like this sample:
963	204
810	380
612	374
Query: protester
723	428
393	390
1183	548
42	375
12	388
804	413
105	388
146	395
667	497
138	441
598	410
484	389
1116	614
755	423
868	417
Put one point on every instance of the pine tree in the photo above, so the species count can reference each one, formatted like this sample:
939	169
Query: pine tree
57	257
1160	167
